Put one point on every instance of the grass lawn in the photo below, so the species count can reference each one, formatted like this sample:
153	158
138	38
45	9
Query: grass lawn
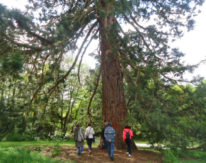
21	155
189	156
34	143
193	156
13	151
38	143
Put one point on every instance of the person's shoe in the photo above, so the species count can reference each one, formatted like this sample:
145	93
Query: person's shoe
130	155
112	158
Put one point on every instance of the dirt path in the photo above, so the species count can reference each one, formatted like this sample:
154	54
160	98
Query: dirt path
101	156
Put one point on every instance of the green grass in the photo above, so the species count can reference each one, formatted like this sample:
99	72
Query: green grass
20	155
34	143
11	152
189	156
193	156
14	152
37	143
193	161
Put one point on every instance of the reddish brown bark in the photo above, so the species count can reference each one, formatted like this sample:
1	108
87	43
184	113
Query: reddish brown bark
114	106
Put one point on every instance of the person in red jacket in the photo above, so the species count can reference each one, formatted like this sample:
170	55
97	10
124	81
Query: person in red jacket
127	137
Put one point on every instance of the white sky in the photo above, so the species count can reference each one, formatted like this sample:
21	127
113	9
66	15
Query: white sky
193	44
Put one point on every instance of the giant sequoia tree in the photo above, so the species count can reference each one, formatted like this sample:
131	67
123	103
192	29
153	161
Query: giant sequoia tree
70	26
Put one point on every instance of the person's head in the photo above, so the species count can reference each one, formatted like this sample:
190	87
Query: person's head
109	123
105	124
89	124
127	127
77	125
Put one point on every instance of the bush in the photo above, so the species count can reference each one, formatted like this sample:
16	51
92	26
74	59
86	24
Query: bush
192	156
13	155
37	148
169	157
18	137
56	150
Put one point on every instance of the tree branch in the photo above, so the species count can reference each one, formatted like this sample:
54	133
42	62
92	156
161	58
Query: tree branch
95	89
74	63
80	62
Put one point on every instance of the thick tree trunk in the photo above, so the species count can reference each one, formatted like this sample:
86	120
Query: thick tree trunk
114	106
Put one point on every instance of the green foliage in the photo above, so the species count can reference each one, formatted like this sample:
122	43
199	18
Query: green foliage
18	137
17	155
172	115
193	154
56	150
12	122
169	157
12	63
193	161
37	148
44	130
186	156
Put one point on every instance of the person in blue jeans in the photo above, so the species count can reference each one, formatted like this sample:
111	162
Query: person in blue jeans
79	139
109	134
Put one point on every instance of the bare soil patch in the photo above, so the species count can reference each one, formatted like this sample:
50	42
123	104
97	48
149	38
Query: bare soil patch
101	156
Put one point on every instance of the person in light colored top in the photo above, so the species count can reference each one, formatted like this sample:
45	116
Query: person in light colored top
89	133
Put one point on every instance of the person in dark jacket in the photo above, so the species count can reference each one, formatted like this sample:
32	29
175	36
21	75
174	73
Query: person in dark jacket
103	140
127	137
109	134
79	139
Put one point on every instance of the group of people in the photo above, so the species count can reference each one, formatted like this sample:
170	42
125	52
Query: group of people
108	138
80	136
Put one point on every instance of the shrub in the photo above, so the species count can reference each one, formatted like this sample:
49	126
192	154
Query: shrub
13	155
18	137
169	157
56	150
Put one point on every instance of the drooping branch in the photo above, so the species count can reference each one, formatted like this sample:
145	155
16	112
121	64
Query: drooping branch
41	84
74	63
80	16
80	62
70	107
142	37
125	58
94	92
21	45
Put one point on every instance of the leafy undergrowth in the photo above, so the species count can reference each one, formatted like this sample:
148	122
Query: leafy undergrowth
189	156
193	156
20	155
